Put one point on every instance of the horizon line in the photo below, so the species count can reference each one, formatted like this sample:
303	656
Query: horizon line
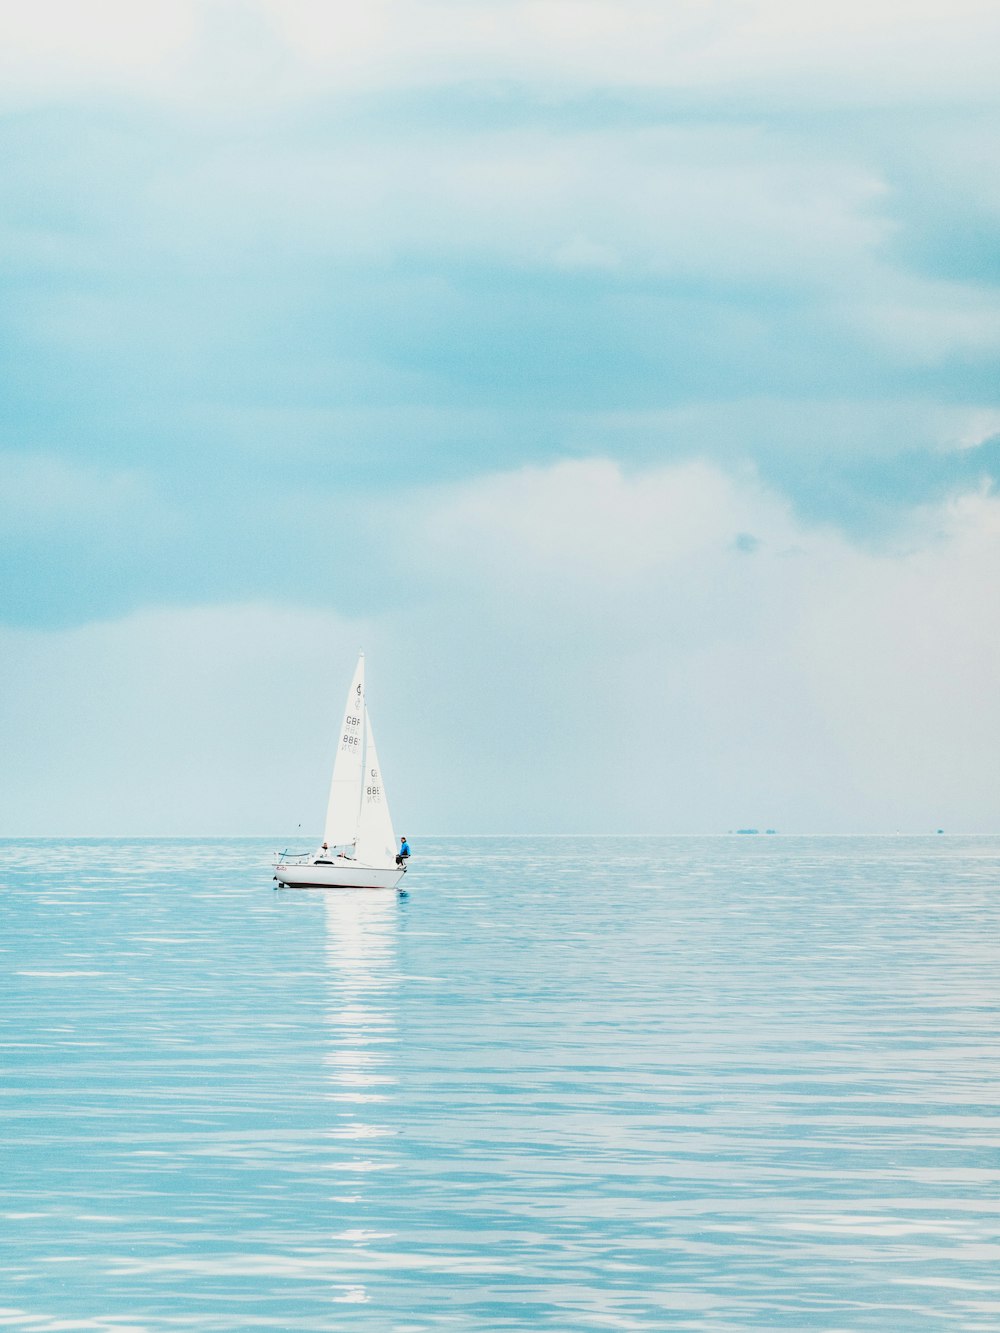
716	833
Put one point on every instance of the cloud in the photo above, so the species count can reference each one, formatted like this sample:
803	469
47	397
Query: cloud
214	52
556	344
574	647
903	650
173	721
673	679
925	323
332	290
587	528
57	49
89	540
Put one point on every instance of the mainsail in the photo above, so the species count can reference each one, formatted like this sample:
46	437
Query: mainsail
341	826
376	844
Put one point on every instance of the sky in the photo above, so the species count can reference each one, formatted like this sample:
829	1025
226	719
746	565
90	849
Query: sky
622	377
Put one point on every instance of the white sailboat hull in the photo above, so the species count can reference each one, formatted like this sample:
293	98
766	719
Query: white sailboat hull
339	874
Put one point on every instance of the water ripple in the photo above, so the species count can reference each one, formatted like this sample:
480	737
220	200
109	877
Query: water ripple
712	1084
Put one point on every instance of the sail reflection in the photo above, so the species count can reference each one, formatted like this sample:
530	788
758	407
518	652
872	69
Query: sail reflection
361	931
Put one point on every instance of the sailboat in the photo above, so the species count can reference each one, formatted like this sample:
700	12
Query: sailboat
359	845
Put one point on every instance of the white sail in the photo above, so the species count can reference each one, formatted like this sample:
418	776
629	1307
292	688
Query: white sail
344	805
376	839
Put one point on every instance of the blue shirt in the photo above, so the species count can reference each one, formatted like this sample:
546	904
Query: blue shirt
404	848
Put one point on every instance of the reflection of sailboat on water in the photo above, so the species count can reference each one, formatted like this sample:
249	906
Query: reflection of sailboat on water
359	845
361	958
360	1064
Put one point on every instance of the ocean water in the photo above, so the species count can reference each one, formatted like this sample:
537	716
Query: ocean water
635	1084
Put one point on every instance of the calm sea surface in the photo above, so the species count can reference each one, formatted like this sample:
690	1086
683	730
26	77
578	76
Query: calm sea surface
720	1083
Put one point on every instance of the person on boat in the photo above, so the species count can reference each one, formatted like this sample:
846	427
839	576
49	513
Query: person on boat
404	852
323	854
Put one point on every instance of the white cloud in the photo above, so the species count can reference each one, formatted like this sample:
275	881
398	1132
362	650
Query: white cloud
560	45
582	644
55	49
922	321
713	205
580	648
587	528
978	426
173	721
742	215
905	651
218	52
809	684
833	429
